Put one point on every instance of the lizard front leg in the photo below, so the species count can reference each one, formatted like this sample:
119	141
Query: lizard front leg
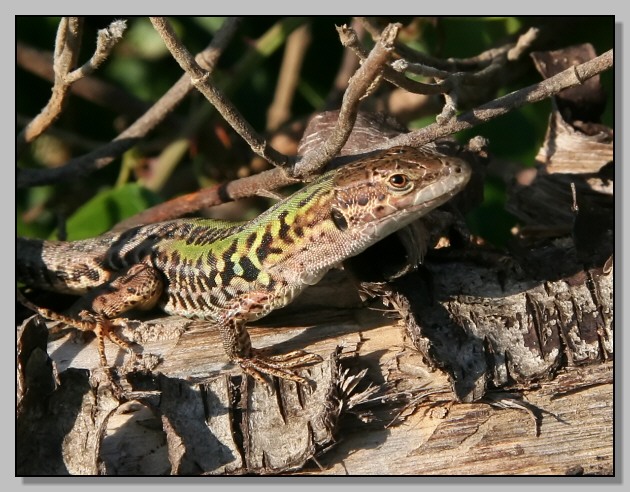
255	362
140	287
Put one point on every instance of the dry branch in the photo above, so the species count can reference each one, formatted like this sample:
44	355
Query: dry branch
200	78
503	105
349	65
539	326
97	91
359	86
105	41
209	197
350	39
67	44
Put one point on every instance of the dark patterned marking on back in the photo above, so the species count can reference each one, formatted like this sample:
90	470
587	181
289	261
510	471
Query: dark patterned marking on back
249	241
228	270
265	248
283	232
250	272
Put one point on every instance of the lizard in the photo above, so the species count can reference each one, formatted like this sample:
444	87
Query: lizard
231	273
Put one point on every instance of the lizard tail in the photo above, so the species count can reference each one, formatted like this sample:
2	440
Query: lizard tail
67	267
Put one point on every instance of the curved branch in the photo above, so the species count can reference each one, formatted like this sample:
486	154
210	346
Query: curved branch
67	44
350	39
90	88
276	178
361	84
209	197
105	41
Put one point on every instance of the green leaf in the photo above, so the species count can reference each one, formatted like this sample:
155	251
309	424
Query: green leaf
108	208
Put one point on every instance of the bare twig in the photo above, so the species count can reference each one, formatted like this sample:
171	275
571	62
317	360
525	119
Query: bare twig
523	44
451	84
452	65
156	114
105	41
508	52
280	109
401	65
422	63
241	188
360	83
350	39
97	91
349	65
498	107
258	50
201	80
67	44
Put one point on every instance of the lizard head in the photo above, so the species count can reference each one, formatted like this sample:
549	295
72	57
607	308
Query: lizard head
380	194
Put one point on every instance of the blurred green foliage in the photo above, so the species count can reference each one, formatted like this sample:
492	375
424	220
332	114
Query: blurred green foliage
107	208
248	72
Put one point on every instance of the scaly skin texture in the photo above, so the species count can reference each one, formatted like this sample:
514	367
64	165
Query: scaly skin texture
231	273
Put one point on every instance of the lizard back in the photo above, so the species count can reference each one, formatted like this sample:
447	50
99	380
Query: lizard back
216	269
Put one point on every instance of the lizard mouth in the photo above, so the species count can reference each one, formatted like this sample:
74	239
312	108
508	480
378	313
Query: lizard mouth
438	193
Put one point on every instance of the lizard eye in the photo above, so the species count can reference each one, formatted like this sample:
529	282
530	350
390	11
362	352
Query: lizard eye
399	182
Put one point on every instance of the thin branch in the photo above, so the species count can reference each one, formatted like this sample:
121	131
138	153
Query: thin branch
98	159
97	91
423	62
209	197
275	178
451	65
350	39
67	44
361	83
401	65
451	85
349	65
106	39
549	87
451	82
201	80
523	44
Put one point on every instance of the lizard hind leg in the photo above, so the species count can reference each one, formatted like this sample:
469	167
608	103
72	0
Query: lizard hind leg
139	287
86	321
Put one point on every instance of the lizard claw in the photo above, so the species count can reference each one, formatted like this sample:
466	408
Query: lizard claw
293	359
277	365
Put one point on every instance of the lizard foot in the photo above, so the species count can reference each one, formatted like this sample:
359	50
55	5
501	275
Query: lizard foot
102	328
277	365
292	359
100	325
